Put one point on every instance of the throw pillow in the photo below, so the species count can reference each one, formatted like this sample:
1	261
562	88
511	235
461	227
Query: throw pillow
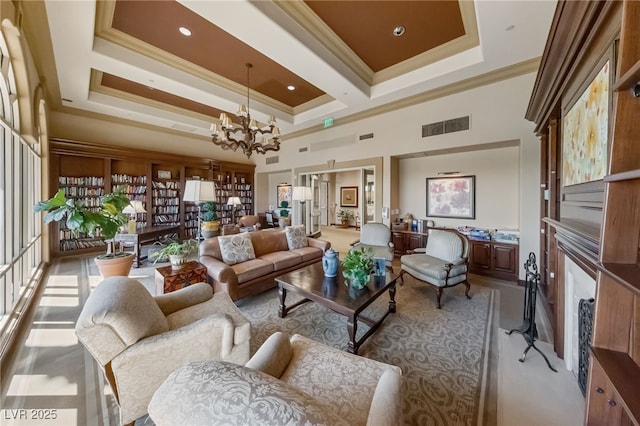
236	248
296	236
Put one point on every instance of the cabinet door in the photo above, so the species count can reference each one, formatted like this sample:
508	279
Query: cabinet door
480	255
398	242
414	241
602	402
504	258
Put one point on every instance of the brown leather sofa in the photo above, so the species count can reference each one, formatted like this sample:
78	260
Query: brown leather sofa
272	258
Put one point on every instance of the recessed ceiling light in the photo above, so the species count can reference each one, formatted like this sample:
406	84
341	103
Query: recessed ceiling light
510	27
399	30
291	87
185	31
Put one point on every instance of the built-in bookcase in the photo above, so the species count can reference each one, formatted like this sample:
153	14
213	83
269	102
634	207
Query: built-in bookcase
86	171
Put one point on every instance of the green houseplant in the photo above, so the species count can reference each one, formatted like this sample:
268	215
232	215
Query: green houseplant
357	266
104	221
345	217
283	214
210	225
176	252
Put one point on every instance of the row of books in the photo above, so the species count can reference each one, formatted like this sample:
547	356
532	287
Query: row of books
504	235
171	184
121	178
165	193
82	180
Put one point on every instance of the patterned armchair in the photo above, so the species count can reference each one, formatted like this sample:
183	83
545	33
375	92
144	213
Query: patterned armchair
378	237
443	263
288	381
138	339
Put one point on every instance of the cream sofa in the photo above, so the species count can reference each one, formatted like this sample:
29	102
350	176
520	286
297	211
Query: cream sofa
259	257
138	339
292	381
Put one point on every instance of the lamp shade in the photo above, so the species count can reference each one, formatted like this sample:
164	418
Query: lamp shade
199	191
301	193
234	201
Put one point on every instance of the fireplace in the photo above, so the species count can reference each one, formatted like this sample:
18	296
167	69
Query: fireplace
578	285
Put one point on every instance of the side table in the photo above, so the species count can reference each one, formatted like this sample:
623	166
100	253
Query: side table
172	278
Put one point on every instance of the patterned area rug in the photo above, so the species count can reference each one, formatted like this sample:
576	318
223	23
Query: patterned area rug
441	352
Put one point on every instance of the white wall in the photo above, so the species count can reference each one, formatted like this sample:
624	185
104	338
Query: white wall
497	115
497	191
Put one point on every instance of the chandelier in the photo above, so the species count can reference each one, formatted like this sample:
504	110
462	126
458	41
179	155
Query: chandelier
244	135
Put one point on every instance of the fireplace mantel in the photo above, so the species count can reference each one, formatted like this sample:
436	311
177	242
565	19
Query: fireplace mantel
579	241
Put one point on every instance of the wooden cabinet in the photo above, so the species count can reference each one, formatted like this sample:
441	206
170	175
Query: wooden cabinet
499	260
404	241
86	171
614	384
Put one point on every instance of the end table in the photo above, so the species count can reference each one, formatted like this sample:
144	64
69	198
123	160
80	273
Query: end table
172	278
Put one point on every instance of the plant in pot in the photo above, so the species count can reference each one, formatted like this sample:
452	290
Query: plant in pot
357	267
283	214
176	252
345	217
210	226
105	221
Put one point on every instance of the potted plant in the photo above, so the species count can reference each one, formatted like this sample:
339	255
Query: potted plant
177	253
105	221
345	217
283	220
210	226
357	266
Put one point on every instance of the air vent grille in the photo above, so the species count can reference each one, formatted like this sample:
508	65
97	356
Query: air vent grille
367	136
305	149
273	160
448	126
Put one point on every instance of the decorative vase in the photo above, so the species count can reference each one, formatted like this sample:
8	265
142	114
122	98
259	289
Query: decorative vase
357	278
330	262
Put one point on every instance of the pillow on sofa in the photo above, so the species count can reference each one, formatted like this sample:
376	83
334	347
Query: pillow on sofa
236	248
296	236
218	392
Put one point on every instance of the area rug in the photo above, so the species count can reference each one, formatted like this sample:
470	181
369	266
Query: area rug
441	352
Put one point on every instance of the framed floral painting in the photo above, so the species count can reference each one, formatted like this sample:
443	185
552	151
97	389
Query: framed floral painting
451	197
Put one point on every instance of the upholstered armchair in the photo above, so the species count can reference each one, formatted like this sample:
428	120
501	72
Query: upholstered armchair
442	263
138	339
288	381
378	237
250	221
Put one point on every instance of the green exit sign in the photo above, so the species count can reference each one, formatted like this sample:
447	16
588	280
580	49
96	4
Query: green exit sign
327	122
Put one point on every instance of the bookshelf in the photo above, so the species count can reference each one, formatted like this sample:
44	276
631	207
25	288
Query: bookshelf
86	170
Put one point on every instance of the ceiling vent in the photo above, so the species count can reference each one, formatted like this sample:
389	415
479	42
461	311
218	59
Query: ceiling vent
273	160
449	126
305	149
367	136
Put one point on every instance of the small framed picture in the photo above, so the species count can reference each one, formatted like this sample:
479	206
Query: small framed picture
164	174
379	266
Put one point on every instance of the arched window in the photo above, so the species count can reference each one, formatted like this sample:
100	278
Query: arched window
20	188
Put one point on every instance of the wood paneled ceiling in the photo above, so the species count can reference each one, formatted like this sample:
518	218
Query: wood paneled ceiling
342	57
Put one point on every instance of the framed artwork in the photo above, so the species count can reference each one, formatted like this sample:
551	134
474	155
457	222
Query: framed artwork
584	133
348	196
284	193
453	197
164	174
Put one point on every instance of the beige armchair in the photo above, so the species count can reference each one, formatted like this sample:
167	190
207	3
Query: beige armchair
250	221
442	263
378	237
138	339
288	381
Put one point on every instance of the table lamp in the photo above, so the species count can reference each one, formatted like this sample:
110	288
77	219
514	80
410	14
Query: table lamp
234	201
133	209
199	191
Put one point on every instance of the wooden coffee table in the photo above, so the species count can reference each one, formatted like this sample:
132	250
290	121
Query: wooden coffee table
311	283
